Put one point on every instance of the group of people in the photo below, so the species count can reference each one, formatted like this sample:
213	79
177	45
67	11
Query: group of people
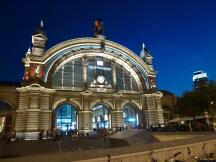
57	134
8	136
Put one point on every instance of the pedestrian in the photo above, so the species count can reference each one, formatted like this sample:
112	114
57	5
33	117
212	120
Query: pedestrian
41	134
109	158
106	141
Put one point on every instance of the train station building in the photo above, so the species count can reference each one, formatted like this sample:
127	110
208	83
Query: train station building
84	84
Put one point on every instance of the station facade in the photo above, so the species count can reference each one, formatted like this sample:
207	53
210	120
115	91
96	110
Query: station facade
83	84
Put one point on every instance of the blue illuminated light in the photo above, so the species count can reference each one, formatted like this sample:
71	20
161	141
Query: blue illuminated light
132	119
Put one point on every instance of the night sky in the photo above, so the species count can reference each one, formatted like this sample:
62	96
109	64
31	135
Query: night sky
181	34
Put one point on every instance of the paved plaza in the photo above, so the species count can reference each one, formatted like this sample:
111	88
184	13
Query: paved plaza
93	147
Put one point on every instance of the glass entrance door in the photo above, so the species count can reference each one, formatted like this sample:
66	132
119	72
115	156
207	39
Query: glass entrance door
66	117
100	117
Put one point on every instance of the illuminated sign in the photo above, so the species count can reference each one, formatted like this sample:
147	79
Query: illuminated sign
100	63
199	75
91	67
63	120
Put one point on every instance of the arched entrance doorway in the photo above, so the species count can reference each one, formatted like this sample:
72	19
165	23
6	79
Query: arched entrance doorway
6	113
66	117
101	117
130	115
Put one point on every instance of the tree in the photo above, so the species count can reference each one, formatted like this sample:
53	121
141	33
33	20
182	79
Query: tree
197	101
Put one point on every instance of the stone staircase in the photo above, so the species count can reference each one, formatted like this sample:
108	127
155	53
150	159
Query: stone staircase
125	133
134	136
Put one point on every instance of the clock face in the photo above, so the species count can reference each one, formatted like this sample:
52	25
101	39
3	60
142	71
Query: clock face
100	79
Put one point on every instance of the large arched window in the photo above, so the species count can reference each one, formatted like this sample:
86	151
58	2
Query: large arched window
69	76
99	74
125	81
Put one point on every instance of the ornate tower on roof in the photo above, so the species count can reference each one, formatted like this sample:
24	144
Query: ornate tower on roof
34	72
146	56
39	39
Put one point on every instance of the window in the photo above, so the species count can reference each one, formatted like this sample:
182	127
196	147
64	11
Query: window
69	76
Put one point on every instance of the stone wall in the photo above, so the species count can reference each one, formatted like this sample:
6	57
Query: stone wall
34	111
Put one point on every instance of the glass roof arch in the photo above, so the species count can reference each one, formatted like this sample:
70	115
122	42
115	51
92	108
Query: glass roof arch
92	46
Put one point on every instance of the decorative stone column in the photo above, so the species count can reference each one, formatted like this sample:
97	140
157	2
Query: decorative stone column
116	119
113	74
117	113
45	113
150	111
141	118
33	113
85	122
154	112
20	121
141	113
85	102
158	96
85	71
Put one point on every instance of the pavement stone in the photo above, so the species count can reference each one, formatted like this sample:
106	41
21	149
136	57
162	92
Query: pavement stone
47	151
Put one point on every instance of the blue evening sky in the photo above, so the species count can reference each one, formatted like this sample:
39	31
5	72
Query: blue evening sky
181	34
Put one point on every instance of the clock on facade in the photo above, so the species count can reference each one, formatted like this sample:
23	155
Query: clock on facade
100	79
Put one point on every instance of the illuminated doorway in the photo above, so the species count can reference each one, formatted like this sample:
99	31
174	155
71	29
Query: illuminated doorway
66	117
130	115
6	112
100	117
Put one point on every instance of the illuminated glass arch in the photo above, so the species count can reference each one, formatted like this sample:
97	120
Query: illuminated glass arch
69	74
90	45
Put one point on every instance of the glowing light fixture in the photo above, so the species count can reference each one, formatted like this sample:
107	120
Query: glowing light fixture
105	117
98	119
100	63
132	119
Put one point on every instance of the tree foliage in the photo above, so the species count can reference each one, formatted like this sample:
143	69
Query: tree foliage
197	101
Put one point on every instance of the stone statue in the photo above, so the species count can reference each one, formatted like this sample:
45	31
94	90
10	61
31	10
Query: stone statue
99	30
